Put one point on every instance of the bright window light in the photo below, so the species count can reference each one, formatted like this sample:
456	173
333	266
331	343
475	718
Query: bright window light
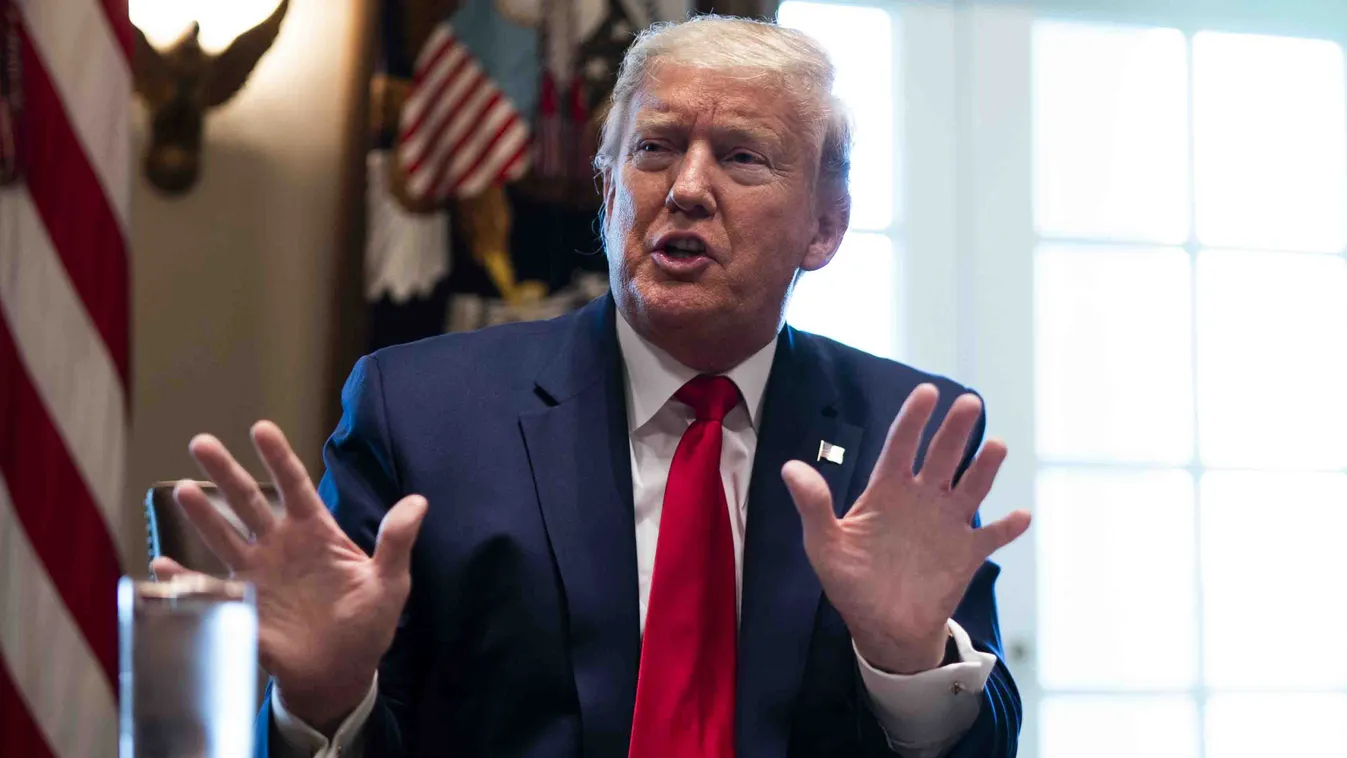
1271	551
1270	121
1113	354
1119	727
1259	726
1263	318
852	298
1110	132
1091	524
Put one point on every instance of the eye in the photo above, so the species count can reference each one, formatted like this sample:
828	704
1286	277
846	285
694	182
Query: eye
649	147
743	157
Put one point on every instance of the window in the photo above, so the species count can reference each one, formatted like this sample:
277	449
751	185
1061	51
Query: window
1190	202
855	298
1132	240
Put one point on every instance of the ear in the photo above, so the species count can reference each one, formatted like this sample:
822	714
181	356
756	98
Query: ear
833	217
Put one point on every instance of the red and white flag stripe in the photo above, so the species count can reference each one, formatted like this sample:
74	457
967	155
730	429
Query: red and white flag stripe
64	362
459	133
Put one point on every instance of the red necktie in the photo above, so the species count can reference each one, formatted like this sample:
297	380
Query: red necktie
685	691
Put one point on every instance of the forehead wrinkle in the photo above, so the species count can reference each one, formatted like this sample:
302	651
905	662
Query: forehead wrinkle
720	120
731	104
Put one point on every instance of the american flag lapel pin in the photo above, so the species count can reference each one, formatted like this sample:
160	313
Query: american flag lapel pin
831	453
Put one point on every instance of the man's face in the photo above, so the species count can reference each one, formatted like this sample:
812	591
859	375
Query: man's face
710	205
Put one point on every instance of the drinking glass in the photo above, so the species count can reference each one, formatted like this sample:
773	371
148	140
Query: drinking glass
188	661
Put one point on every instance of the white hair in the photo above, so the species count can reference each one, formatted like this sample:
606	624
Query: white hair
801	67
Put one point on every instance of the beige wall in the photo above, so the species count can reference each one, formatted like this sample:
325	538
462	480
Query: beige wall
233	283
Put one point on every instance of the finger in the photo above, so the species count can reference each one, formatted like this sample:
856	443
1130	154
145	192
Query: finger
997	535
812	499
950	442
286	470
219	535
900	447
163	569
235	483
977	480
397	534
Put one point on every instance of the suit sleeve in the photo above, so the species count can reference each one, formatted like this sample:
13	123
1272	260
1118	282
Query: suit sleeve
360	483
995	733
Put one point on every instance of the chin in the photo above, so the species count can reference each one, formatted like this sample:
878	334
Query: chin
678	305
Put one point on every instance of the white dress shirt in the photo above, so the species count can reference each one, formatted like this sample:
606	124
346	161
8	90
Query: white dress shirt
923	715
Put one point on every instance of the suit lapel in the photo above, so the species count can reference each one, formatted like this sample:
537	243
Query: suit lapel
780	590
579	454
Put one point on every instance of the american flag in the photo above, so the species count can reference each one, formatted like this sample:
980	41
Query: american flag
63	377
459	134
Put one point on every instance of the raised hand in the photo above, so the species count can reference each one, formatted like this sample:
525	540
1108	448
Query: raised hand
326	611
898	563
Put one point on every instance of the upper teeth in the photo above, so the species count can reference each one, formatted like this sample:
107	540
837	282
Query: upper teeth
686	245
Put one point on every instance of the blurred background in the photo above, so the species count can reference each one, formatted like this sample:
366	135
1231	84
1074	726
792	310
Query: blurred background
1123	222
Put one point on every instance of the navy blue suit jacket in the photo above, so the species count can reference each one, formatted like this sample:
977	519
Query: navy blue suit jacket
521	635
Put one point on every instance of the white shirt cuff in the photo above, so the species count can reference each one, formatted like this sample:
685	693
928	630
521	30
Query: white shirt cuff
923	715
299	740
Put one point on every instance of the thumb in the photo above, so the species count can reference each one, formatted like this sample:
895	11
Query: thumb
811	496
397	534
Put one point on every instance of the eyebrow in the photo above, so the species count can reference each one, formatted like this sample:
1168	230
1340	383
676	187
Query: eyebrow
736	129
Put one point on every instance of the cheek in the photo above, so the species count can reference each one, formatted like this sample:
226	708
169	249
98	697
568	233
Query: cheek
618	221
774	229
632	210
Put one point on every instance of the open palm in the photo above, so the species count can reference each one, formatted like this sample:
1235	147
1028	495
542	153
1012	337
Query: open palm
897	564
326	610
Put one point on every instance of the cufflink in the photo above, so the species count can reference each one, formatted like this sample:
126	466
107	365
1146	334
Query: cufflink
831	453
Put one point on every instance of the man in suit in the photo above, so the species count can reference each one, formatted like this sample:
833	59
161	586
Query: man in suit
665	525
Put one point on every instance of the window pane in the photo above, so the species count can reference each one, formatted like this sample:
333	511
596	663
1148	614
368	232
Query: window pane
859	41
1119	727
1273	579
1271	148
1112	354
1106	619
852	298
1260	726
1110	132
1272	359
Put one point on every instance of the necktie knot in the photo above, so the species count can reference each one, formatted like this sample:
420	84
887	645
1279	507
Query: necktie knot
710	397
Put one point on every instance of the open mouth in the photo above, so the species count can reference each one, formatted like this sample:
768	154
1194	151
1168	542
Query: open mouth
684	248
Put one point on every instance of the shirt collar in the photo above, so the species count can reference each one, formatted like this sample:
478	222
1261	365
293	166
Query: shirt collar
653	376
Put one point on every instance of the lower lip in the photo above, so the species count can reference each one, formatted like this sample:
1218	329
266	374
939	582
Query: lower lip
681	265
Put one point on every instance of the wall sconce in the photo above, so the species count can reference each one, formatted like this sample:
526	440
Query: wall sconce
191	56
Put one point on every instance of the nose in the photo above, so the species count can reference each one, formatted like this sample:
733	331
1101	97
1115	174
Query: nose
692	192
